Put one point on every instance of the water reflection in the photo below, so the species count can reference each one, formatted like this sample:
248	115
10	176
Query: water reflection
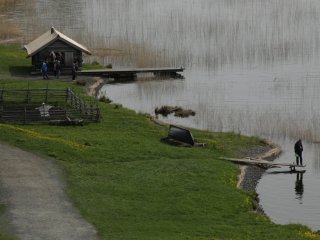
292	197
299	188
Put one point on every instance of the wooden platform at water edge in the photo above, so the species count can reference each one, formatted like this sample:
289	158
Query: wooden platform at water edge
263	163
131	73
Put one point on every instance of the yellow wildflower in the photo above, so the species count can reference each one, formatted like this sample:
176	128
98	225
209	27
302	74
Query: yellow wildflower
310	235
41	136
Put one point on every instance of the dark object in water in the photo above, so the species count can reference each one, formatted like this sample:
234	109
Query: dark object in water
166	110
184	113
178	111
181	136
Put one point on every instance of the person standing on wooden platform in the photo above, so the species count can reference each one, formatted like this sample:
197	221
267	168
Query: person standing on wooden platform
298	148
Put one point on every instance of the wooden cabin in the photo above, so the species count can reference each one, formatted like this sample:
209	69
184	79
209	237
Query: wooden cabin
55	45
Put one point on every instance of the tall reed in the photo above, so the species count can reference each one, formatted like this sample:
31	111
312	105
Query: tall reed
7	29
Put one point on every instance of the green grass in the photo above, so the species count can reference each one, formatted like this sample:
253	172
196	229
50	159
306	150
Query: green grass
3	225
13	60
130	185
92	66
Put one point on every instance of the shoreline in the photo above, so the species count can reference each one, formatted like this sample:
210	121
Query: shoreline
249	174
94	85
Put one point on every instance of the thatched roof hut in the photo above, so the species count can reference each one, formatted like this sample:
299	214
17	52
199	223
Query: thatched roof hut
54	44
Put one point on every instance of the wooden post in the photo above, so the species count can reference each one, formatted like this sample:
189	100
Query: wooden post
71	99
25	115
67	97
81	106
1	98
27	97
46	99
91	112
98	113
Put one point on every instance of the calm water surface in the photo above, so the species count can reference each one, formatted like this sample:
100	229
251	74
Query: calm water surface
252	67
290	197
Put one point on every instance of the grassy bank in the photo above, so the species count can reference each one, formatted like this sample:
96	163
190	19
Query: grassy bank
13	60
130	185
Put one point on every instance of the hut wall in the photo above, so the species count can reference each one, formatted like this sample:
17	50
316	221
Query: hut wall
68	52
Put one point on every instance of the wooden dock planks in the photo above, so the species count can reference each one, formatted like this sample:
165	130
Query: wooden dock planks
129	72
262	162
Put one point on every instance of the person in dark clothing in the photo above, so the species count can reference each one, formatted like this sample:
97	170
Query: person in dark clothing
74	70
58	68
298	148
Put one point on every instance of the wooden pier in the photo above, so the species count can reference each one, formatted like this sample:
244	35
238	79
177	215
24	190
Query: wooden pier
131	73
263	163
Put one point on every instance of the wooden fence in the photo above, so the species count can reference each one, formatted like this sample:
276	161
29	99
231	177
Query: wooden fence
45	105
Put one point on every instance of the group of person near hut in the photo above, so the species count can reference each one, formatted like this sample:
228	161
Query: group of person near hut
56	59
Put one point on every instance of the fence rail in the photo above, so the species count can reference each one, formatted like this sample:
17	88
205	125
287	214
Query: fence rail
45	105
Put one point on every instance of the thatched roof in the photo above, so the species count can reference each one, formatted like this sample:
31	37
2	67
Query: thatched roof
49	37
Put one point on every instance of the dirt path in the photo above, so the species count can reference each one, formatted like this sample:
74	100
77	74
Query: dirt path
38	208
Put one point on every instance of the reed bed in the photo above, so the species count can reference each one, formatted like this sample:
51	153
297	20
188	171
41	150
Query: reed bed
210	33
272	124
7	29
4	3
128	54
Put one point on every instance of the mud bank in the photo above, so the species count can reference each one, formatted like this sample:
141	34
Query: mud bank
250	175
